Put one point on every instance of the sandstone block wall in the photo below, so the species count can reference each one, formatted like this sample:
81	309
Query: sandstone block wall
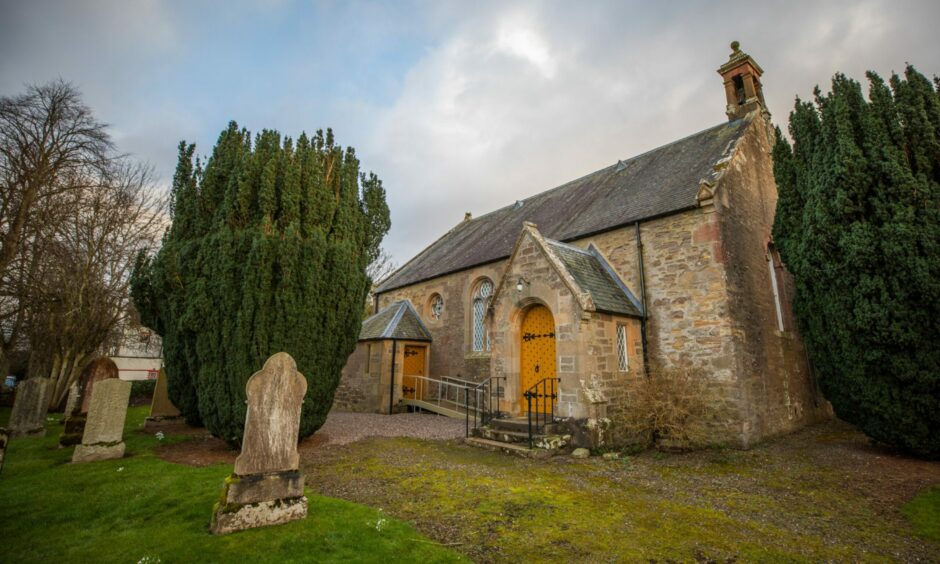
359	389
452	351
778	391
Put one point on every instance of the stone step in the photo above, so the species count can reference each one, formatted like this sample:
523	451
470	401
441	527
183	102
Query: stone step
521	425
509	448
508	436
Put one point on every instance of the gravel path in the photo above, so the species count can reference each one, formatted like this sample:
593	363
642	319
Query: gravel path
342	428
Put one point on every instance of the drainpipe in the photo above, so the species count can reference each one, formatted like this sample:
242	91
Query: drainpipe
639	258
391	384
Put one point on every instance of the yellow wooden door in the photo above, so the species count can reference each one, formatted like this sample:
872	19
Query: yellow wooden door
537	354
413	366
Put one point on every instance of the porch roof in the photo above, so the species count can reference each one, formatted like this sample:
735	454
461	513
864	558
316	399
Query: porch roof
399	322
596	277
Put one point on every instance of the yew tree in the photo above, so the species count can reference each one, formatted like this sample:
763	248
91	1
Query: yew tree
858	224
267	252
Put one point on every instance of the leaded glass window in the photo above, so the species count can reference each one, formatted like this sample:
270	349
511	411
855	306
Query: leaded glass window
481	298
437	306
622	348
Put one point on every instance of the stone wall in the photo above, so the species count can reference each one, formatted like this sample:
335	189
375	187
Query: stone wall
778	392
366	381
453	355
689	326
360	387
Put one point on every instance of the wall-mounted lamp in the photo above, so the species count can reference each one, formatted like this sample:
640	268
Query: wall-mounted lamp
521	284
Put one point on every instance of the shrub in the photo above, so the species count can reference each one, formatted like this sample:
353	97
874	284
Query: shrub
668	410
142	388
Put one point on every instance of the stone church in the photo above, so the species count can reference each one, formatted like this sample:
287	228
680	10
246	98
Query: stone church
660	262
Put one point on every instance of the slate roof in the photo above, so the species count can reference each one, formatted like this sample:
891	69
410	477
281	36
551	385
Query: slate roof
659	182
596	277
398	321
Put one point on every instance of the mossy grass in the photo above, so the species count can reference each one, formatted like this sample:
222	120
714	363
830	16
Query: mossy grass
142	508
710	505
924	513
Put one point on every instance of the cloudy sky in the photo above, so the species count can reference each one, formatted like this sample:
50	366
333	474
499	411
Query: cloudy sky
457	106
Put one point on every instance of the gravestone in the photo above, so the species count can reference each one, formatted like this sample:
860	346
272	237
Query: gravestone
102	368
76	410
267	487
103	438
75	398
161	408
29	409
4	439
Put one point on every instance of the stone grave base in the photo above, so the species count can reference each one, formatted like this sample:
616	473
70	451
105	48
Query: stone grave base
161	421
74	428
91	453
259	500
37	432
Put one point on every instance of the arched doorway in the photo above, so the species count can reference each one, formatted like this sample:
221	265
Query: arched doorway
537	353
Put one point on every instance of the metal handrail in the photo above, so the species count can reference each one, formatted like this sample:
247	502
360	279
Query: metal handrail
486	400
471	383
424	390
544	391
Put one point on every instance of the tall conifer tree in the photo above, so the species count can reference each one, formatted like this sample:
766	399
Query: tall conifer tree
267	252
858	224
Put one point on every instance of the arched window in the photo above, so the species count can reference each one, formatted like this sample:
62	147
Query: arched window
436	307
781	304
478	305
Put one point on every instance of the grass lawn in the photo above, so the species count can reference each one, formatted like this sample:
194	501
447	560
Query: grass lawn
143	509
822	494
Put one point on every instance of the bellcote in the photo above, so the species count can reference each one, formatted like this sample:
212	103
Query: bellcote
741	75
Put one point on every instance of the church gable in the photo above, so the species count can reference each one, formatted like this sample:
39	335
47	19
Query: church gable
584	273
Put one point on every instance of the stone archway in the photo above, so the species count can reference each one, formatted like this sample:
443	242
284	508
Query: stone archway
537	355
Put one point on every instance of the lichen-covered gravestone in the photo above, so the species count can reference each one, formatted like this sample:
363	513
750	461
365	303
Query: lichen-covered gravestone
267	487
103	438
76	410
161	408
29	409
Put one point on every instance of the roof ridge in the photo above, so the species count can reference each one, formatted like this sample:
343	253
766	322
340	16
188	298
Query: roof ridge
393	323
568	246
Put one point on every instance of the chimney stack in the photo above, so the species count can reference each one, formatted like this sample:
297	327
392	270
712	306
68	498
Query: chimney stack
743	91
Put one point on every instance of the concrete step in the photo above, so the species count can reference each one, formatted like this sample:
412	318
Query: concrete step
509	448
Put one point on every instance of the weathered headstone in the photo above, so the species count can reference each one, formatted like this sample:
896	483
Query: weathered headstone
104	430
161	408
73	418
4	439
73	403
102	368
29	409
76	409
267	487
